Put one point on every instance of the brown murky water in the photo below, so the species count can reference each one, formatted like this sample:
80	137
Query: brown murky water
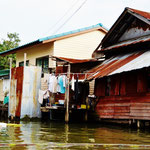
55	136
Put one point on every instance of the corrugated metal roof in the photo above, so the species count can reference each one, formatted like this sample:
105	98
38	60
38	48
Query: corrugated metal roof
53	37
73	61
140	62
109	66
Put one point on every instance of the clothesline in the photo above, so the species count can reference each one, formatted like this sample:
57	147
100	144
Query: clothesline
66	72
73	73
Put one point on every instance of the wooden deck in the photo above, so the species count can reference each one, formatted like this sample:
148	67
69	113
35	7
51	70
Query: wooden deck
58	113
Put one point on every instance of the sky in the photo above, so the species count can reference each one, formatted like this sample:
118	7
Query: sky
34	19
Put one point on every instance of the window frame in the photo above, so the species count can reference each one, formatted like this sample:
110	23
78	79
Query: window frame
42	58
22	62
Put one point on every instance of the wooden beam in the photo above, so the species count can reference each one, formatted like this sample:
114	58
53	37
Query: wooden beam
67	99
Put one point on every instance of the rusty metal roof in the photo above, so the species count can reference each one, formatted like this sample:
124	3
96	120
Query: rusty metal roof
120	63
124	21
128	43
73	61
141	13
141	61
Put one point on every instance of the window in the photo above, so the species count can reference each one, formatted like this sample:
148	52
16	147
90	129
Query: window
22	63
44	63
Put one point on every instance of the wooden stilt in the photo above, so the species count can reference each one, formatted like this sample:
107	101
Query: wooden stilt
138	123
12	117
67	132
86	113
67	99
130	122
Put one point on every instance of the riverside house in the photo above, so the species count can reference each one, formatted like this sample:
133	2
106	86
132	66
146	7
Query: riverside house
122	81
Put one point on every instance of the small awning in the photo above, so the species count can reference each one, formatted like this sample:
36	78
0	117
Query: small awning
73	61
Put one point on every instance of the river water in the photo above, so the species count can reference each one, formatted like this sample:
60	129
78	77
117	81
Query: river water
55	136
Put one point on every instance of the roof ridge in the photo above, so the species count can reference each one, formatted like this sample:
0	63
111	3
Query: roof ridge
40	40
72	32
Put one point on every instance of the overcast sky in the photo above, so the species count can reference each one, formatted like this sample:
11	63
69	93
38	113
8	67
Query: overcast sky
34	19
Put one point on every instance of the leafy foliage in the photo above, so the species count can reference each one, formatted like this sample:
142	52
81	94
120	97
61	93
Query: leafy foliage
12	42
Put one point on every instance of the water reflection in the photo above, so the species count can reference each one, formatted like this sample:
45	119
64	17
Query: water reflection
54	135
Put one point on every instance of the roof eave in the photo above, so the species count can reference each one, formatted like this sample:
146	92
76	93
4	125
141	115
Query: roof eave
13	50
139	16
113	27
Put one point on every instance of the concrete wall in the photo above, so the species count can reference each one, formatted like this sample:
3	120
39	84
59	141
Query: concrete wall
36	52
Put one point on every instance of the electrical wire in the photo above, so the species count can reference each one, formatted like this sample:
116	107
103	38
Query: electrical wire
63	15
70	17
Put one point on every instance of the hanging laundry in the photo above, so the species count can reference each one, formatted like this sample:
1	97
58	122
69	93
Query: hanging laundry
40	98
58	86
72	83
43	95
46	77
76	89
61	84
55	83
52	82
6	100
46	94
64	80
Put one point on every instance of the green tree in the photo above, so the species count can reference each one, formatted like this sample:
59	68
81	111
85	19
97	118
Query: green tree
11	42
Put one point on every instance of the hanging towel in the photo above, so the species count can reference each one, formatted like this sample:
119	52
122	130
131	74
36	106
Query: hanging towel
40	98
64	80
55	85
51	83
60	82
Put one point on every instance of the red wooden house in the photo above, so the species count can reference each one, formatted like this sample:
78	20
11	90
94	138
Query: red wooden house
122	81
